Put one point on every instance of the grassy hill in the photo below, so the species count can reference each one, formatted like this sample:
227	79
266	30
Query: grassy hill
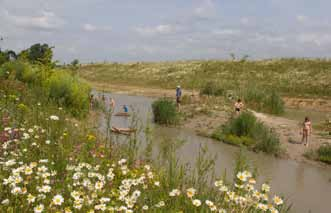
290	77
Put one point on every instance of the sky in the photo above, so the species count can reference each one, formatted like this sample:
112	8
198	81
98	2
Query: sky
155	30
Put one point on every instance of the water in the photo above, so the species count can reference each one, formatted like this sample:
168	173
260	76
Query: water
307	186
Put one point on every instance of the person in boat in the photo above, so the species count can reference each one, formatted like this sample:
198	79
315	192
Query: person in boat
238	106
306	131
178	96
125	108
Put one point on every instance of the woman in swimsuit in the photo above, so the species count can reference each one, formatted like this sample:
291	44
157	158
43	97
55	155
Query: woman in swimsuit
306	130
238	106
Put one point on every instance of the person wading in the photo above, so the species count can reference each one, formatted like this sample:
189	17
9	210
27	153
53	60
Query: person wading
306	131
178	96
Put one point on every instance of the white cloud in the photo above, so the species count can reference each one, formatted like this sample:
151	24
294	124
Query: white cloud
46	20
93	28
160	29
318	39
244	21
301	18
205	10
226	32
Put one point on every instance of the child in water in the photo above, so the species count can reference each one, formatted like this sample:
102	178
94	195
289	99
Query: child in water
125	108
306	131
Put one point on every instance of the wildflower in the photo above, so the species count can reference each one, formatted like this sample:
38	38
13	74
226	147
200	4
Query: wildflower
54	118
190	192
98	185
145	207
223	188
252	181
174	192
262	206
209	203
161	204
47	142
101	207
157	183
265	187
16	190
277	200
221	211
218	183
5	202
241	176
39	208
273	210
31	198
196	202
58	200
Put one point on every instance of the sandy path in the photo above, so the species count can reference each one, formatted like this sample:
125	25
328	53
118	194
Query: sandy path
290	137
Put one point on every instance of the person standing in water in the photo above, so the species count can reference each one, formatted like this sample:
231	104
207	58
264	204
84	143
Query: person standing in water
306	131
112	104
178	95
238	106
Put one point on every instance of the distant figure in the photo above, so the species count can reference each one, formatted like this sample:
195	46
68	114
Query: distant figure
125	108
238	106
178	95
103	98
112	104
91	101
306	131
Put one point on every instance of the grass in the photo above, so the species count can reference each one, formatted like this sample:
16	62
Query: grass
165	112
290	77
323	154
246	130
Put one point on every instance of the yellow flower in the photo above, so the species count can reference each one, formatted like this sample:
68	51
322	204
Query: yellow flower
190	192
278	200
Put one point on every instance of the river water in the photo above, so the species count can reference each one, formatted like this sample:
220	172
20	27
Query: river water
307	187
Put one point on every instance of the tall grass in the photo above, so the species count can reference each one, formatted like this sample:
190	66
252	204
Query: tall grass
165	111
246	130
262	99
62	87
324	153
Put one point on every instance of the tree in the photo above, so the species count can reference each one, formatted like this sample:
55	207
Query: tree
75	63
40	53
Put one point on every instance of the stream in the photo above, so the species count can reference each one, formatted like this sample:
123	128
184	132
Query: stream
307	187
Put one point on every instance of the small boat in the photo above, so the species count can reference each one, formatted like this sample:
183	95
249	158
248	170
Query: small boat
124	131
126	114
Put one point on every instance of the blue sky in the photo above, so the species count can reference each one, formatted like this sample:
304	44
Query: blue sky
155	30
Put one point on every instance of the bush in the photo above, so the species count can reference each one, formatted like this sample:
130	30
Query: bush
247	130
212	88
68	91
324	154
13	69
165	111
242	125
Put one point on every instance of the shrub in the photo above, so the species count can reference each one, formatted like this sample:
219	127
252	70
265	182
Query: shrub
324	153
243	125
212	88
246	130
68	91
165	111
13	69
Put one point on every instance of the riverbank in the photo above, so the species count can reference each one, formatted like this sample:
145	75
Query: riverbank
204	116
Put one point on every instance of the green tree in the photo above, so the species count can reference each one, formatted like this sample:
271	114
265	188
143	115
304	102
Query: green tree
40	54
